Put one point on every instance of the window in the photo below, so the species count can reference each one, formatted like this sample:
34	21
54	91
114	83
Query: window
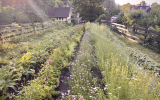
57	18
62	18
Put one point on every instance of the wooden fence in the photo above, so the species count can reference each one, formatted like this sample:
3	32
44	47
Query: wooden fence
11	33
149	38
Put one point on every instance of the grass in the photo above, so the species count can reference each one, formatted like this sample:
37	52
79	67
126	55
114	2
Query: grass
155	56
83	81
123	80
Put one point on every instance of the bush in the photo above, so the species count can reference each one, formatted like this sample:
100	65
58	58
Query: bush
119	18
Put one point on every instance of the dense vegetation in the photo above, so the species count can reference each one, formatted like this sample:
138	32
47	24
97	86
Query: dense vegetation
140	18
25	11
101	68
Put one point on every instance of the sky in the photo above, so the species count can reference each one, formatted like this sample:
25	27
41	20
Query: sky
121	2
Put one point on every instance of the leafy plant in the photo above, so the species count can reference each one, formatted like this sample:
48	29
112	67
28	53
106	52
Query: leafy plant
9	75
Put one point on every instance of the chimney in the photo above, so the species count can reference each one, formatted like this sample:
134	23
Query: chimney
143	4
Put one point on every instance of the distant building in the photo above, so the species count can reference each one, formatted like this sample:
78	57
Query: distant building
63	14
60	14
146	9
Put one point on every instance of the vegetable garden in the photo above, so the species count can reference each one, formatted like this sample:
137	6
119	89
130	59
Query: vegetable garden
89	60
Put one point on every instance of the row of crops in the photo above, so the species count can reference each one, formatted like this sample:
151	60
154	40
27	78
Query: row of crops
123	72
105	70
43	63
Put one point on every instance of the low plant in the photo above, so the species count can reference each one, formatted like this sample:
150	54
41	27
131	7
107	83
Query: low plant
122	78
49	75
9	75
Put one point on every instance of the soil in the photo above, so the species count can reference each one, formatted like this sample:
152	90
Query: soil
64	86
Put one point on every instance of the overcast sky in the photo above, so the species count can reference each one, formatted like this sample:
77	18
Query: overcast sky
121	2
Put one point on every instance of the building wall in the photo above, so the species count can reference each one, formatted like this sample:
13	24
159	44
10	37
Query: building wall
60	19
69	18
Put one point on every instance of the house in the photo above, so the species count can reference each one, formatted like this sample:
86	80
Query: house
146	9
61	14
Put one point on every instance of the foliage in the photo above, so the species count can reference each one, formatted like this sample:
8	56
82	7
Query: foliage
100	18
110	8
74	15
115	11
122	78
8	76
44	86
142	19
25	64
126	7
88	10
126	20
119	17
154	16
6	15
26	11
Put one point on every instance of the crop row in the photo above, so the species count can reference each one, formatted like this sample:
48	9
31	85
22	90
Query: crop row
123	78
25	66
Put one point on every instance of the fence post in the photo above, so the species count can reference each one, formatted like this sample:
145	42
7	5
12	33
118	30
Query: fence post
159	46
134	30
145	35
33	28
1	37
21	31
42	26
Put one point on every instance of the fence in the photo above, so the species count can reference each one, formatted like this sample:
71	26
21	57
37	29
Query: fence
16	30
148	38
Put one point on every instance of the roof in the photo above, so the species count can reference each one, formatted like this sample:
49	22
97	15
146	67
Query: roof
145	8
65	3
59	12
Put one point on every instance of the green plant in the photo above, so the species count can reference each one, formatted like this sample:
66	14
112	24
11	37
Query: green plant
9	75
44	86
122	78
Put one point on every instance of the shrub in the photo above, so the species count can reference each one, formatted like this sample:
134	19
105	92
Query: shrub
126	20
119	18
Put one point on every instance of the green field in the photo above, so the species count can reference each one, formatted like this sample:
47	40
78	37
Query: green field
82	62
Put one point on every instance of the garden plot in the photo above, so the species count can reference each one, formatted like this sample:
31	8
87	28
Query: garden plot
53	51
119	78
122	76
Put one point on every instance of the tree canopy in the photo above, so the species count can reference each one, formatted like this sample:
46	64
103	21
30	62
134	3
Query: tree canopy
126	7
89	10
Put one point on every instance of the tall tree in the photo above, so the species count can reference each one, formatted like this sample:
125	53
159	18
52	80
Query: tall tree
109	6
126	7
89	10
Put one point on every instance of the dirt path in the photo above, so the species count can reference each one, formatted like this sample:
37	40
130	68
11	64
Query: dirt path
64	78
78	79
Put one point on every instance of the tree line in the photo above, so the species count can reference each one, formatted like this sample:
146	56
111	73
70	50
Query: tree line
22	11
25	11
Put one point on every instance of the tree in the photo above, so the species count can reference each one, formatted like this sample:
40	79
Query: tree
109	6
154	4
89	10
143	3
126	7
